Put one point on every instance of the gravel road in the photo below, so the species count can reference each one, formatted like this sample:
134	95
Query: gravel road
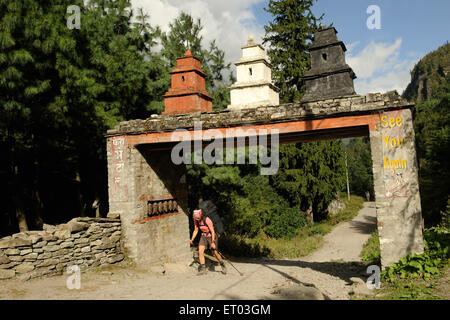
331	272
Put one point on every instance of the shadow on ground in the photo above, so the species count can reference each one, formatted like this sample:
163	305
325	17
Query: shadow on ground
364	227
342	270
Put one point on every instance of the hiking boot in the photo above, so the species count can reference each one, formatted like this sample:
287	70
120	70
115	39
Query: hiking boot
202	270
224	268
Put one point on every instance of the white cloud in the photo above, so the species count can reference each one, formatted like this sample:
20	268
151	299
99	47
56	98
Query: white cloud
228	22
378	67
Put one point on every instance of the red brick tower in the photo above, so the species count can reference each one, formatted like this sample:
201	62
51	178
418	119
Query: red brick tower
187	93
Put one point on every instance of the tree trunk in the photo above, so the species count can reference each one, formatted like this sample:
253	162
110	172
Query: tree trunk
38	222
82	210
21	220
310	214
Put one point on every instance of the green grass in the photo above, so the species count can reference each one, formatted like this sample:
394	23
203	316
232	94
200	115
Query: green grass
418	276
305	241
371	249
413	289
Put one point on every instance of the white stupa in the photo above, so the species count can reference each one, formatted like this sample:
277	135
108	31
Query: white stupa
253	87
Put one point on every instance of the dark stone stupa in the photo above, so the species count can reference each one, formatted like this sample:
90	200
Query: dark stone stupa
329	76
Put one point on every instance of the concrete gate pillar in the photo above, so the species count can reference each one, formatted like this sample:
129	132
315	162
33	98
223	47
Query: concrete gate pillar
150	194
396	186
147	188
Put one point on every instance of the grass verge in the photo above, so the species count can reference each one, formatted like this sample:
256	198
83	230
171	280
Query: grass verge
305	241
423	276
371	250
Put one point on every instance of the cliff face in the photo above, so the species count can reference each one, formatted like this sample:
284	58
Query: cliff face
430	76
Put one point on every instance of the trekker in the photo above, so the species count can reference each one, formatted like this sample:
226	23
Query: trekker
208	239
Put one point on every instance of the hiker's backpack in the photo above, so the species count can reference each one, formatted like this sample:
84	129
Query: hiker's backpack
209	209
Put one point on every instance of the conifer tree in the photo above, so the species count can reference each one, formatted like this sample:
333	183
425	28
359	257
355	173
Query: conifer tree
310	174
184	34
288	36
60	90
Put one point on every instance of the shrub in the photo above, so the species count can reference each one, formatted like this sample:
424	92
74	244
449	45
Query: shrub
371	249
427	264
284	224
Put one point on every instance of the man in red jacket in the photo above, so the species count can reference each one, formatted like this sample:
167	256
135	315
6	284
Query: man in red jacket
208	239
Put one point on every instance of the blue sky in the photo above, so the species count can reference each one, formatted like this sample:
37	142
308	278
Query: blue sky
409	30
382	59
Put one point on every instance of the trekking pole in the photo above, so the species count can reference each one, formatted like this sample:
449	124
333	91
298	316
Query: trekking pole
230	263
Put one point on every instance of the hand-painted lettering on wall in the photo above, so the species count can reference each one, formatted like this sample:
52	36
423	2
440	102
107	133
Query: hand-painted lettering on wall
119	163
395	161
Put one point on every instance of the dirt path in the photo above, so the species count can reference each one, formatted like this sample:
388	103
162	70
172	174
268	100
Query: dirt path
330	272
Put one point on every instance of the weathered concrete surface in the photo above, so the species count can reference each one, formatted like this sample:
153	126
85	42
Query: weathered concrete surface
351	105
396	186
135	177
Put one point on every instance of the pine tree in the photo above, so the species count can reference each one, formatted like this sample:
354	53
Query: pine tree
61	89
360	167
310	174
287	35
184	34
433	152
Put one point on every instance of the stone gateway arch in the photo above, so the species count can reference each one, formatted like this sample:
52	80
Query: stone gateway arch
150	192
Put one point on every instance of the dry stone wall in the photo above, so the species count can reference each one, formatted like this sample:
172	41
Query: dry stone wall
86	242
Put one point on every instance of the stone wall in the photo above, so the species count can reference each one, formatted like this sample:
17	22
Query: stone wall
86	242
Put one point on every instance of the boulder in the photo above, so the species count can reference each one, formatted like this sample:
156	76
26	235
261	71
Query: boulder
25	252
300	292
76	226
81	241
86	249
15	242
24	267
49	237
113	214
31	256
39	244
63	234
24	277
94	228
7	274
16	258
12	252
49	228
10	265
335	206
49	262
51	248
4	259
44	255
96	242
66	244
116	258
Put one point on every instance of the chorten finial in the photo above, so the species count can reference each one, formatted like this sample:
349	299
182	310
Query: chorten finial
251	40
